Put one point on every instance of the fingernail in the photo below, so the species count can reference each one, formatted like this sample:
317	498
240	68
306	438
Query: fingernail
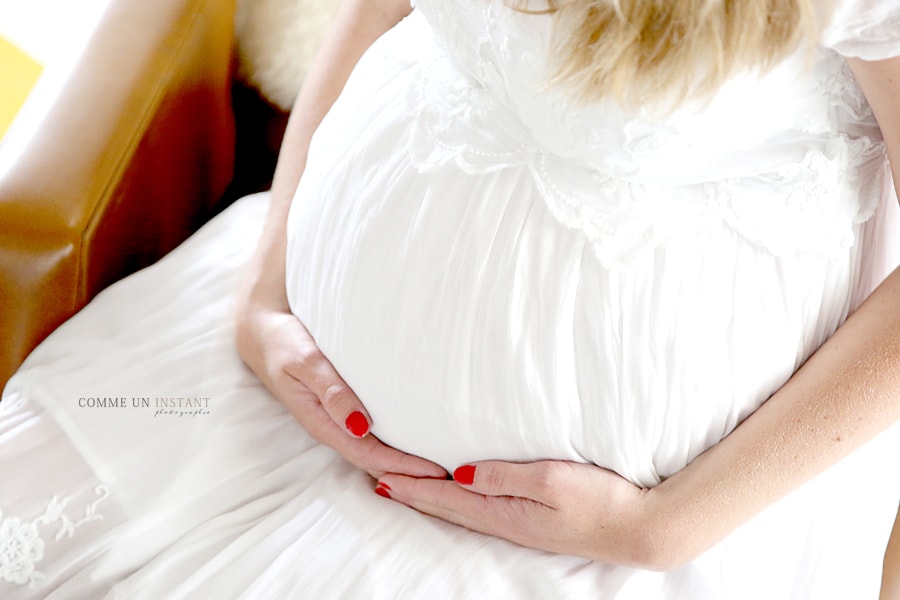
464	474
384	485
357	424
382	492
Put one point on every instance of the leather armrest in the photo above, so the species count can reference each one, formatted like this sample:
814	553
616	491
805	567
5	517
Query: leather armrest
127	163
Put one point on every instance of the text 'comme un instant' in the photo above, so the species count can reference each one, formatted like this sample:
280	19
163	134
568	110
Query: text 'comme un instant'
144	402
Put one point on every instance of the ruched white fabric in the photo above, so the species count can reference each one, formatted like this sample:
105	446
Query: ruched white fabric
498	274
240	502
502	273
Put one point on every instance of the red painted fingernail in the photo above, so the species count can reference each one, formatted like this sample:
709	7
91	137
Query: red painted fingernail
382	492
357	424
384	485
464	474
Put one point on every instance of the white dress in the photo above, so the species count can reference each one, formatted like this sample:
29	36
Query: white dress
526	279
498	274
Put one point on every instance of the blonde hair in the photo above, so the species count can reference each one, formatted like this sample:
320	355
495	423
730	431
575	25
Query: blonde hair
661	52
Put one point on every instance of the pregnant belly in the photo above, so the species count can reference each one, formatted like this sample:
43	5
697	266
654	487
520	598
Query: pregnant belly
474	326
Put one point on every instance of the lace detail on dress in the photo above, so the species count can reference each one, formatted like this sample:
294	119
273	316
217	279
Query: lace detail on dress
847	101
21	544
810	207
621	219
792	161
455	121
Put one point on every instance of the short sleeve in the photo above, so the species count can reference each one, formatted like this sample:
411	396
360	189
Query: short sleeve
866	29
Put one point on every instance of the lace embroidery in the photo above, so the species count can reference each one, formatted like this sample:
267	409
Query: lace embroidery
21	544
630	184
839	85
451	111
809	207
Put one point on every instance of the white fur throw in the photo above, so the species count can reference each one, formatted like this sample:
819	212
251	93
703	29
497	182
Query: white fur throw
276	41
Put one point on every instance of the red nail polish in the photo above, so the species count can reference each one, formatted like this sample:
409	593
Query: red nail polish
382	492
384	485
357	424
464	474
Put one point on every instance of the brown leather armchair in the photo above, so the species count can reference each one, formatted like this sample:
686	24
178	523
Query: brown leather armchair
136	153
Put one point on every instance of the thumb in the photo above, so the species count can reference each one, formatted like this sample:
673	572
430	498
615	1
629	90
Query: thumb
339	401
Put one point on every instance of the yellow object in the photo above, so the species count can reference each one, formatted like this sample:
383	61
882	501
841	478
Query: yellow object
18	74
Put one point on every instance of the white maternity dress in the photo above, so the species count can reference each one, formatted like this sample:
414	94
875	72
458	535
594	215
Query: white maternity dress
498	272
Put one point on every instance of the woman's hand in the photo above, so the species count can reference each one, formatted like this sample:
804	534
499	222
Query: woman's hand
558	506
276	346
271	340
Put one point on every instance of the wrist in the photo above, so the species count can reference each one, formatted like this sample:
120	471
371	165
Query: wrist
260	298
262	280
659	540
643	536
681	520
655	539
259	289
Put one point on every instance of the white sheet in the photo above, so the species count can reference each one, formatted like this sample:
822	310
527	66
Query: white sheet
239	502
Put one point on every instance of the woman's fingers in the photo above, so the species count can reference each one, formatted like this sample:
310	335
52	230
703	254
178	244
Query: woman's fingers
513	518
347	415
559	506
539	481
321	401
367	453
384	459
316	372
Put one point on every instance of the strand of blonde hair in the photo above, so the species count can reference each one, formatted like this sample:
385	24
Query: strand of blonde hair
648	52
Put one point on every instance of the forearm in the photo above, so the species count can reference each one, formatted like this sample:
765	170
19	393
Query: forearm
844	395
357	25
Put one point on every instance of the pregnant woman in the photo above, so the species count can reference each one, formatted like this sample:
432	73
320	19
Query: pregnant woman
608	234
610	281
